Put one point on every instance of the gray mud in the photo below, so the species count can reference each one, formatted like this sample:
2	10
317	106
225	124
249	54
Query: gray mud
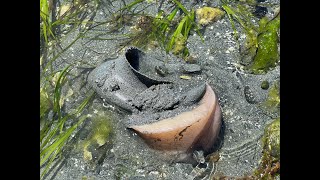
131	82
163	101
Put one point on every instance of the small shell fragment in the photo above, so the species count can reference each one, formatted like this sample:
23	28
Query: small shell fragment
185	77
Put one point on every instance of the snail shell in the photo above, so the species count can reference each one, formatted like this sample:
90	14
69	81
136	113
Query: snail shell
189	130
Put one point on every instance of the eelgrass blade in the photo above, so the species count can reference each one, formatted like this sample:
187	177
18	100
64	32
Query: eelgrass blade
84	103
44	8
198	31
176	33
53	132
45	129
169	18
47	152
44	14
173	14
44	31
57	91
129	6
44	172
58	55
61	140
184	27
231	13
188	25
63	120
185	11
79	109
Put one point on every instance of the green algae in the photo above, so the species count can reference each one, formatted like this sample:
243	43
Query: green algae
272	103
180	45
45	103
267	56
259	53
243	16
181	33
271	139
101	129
87	178
169	31
53	140
207	15
177	43
269	166
100	134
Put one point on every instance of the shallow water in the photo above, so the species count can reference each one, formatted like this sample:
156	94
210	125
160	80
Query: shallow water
125	155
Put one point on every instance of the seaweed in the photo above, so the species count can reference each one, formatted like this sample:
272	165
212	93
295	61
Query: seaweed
56	21
272	104
164	29
206	15
45	102
259	53
267	56
269	166
53	132
180	35
100	134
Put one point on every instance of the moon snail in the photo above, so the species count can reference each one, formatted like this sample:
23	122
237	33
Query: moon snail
192	122
187	131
